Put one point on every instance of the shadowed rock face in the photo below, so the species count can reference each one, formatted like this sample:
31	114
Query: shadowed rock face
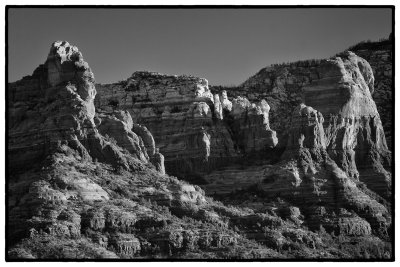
195	130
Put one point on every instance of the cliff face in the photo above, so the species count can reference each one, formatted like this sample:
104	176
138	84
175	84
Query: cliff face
81	184
56	105
341	89
281	85
87	180
310	178
354	132
195	130
380	56
336	159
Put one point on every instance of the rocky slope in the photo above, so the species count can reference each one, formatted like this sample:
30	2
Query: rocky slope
89	182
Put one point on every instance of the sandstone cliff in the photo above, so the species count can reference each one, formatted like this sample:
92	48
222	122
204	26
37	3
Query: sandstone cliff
81	185
335	159
281	85
341	89
195	130
354	132
89	183
56	105
380	56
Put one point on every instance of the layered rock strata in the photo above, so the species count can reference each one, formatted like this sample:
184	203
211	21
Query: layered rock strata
53	112
336	161
380	56
87	190
354	132
310	178
341	89
281	85
195	130
56	104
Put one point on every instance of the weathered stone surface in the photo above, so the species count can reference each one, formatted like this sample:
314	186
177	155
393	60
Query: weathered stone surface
251	125
158	161
96	185
354	133
86	188
380	56
340	89
195	130
307	175
56	104
120	131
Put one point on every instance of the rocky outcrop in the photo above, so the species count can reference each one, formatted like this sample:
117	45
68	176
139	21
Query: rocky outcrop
281	85
380	56
354	132
309	176
335	157
86	183
56	104
81	184
340	89
251	125
52	113
195	130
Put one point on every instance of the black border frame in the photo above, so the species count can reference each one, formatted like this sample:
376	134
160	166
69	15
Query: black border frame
221	7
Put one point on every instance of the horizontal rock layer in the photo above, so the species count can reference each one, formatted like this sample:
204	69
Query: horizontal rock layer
56	105
95	186
380	56
195	130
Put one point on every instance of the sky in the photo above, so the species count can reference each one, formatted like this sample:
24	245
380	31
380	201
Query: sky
225	46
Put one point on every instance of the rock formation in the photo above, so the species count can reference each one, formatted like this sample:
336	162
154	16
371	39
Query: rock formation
335	159
341	90
195	130
310	178
86	179
354	132
380	56
56	105
80	182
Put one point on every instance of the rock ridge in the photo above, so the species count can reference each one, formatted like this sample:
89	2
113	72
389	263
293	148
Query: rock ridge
197	131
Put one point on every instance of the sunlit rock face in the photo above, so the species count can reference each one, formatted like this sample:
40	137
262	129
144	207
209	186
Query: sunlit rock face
336	141
65	64
335	155
91	183
355	138
341	89
380	57
52	112
196	131
308	177
56	104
